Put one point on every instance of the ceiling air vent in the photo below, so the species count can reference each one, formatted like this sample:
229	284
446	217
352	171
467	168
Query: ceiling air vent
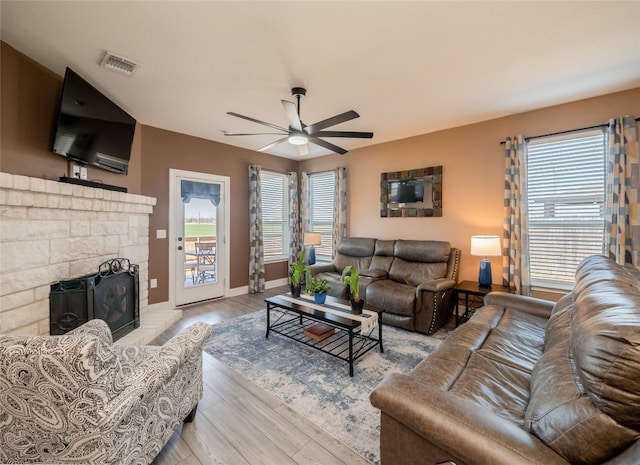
119	64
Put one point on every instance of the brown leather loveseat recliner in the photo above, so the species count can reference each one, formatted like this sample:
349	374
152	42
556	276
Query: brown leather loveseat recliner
527	382
411	280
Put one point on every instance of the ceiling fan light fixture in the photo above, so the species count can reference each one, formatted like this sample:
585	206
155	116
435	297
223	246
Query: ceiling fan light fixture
300	134
298	139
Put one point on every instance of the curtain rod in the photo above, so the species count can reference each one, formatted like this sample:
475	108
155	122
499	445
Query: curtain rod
569	131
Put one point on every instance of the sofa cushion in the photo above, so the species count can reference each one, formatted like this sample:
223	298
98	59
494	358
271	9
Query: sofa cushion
605	343
356	246
383	256
488	361
561	414
354	251
584	389
373	273
423	251
415	273
385	293
359	263
384	248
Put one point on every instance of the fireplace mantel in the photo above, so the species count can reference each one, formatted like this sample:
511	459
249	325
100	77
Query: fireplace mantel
50	231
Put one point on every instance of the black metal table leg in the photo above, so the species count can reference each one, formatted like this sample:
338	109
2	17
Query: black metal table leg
380	332
268	319
351	353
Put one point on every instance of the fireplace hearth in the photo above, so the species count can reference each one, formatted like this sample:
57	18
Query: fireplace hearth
111	294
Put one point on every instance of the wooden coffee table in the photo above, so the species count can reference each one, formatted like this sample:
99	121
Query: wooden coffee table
290	319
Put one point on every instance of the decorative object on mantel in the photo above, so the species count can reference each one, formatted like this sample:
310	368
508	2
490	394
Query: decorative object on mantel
485	246
411	193
311	239
351	276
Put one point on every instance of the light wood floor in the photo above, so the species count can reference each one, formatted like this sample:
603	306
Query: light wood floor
237	422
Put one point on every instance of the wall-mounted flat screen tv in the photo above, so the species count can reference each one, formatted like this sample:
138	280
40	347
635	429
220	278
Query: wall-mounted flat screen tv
90	128
406	190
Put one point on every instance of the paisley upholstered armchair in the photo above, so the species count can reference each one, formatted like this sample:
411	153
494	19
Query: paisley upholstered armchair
78	398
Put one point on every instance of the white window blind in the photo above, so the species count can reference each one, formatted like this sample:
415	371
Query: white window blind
321	199
275	215
566	186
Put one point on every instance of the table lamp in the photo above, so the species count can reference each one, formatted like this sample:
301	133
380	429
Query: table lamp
312	239
485	246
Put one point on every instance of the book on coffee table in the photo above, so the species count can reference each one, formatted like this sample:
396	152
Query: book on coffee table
319	331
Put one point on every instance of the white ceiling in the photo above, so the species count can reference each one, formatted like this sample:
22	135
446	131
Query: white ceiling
407	68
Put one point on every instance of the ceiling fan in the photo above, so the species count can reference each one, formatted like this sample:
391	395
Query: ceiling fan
298	133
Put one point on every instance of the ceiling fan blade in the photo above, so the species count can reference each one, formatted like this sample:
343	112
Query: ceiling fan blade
303	149
359	135
327	145
257	121
341	118
227	133
292	115
272	144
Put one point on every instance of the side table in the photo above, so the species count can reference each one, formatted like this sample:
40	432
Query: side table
471	295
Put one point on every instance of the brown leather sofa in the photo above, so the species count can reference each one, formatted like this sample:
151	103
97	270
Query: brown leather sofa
527	382
411	280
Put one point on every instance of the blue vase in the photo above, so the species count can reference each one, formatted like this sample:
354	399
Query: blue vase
320	298
484	276
312	256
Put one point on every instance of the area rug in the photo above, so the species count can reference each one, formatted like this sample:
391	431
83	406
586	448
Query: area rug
317	385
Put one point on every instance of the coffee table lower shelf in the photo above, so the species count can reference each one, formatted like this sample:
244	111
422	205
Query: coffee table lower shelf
346	344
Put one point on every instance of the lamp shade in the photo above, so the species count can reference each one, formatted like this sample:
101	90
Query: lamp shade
485	246
311	238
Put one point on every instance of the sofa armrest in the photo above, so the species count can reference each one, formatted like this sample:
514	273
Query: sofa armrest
146	369
96	327
532	305
458	426
182	347
437	285
321	268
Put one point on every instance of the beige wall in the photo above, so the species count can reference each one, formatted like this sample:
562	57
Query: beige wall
163	150
471	156
473	173
30	94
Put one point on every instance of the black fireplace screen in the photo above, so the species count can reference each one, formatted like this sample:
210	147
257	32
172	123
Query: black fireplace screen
111	294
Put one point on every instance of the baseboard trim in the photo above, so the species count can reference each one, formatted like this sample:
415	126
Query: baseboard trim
235	292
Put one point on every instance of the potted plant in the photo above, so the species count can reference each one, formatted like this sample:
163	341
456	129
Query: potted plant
319	288
297	273
351	276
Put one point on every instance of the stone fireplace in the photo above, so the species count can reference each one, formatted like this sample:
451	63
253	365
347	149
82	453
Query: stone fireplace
52	231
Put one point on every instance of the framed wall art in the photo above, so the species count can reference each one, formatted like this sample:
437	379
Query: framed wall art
411	193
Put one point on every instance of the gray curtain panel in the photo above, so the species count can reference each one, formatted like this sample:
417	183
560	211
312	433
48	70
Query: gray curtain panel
340	208
515	246
622	212
256	247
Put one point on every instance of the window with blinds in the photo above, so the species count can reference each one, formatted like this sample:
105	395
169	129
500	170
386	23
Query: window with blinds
321	199
275	215
565	190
